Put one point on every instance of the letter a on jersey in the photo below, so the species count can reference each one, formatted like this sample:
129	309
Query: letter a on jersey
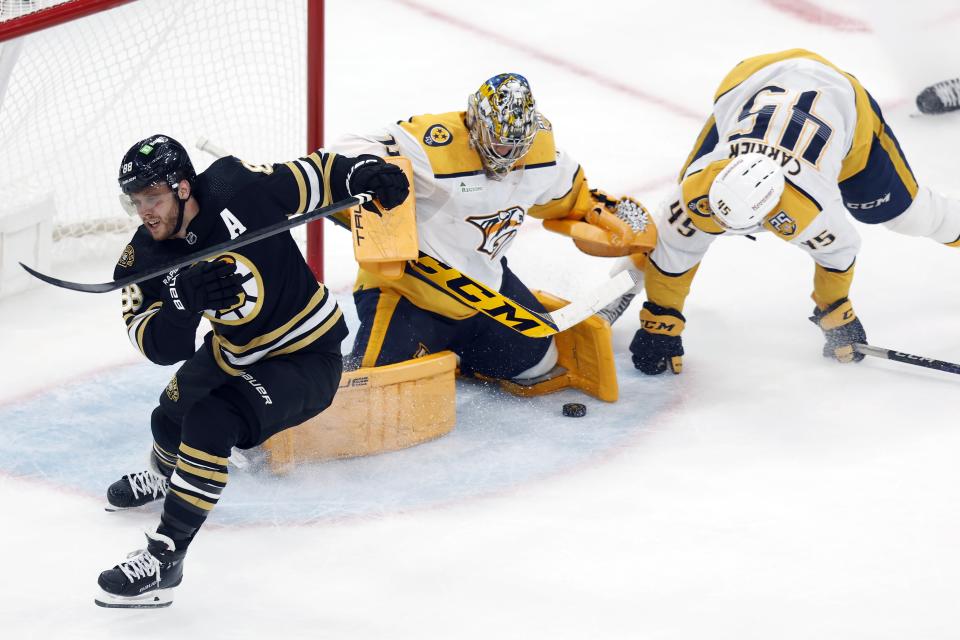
234	226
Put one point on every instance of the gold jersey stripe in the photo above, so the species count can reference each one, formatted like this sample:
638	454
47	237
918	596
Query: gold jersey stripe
561	207
750	66
310	338
197	502
225	366
315	301
868	126
386	305
301	185
202	455
899	163
130	318
143	328
710	124
327	168
200	472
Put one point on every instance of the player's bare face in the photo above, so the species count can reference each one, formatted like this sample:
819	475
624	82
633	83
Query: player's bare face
158	210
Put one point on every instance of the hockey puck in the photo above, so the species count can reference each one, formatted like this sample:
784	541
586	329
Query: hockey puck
574	410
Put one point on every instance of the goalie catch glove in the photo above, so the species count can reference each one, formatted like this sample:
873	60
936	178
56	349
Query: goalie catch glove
205	285
622	219
387	182
841	327
657	344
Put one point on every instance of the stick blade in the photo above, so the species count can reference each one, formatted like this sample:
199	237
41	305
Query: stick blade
582	308
66	284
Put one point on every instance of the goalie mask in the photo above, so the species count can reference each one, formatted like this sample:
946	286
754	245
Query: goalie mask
502	119
158	159
746	191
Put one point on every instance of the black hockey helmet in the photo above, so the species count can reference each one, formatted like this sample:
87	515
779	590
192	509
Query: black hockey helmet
154	160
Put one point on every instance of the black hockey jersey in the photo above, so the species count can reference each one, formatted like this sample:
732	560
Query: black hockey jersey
283	309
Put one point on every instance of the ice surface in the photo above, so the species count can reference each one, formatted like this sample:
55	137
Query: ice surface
764	493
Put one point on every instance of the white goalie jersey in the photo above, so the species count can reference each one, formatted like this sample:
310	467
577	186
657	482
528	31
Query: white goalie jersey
465	218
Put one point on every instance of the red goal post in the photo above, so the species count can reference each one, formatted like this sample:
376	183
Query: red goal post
81	80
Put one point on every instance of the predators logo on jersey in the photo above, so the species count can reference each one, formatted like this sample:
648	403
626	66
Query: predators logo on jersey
437	136
700	206
784	224
498	230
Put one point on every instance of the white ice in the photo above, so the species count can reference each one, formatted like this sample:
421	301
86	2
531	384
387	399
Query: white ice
764	493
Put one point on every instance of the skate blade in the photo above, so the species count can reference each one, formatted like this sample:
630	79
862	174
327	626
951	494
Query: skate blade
109	508
151	600
112	509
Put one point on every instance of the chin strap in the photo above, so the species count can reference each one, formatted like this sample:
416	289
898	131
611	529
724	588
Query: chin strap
181	205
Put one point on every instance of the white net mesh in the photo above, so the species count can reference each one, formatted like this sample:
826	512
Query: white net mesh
75	97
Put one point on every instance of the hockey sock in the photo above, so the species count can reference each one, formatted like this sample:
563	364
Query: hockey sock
166	461
210	430
195	489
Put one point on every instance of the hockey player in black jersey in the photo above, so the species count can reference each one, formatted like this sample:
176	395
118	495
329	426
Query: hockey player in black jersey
273	358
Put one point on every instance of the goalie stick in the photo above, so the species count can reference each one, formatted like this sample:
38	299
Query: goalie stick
514	315
906	358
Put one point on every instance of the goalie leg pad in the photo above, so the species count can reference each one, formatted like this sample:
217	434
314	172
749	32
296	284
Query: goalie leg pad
376	409
584	356
490	349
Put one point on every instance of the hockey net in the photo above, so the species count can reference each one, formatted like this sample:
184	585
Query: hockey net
76	93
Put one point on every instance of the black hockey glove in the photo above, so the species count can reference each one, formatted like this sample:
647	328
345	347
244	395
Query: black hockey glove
205	285
387	182
842	329
657	344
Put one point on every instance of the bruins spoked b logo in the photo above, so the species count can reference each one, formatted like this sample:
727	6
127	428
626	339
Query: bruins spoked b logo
251	300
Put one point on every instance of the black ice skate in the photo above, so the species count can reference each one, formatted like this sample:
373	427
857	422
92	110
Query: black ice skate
145	580
940	98
136	490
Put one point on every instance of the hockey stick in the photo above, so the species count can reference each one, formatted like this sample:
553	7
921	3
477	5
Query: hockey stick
476	295
510	313
211	252
906	358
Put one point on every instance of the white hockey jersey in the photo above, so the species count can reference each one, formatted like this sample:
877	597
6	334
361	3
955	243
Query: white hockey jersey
820	125
465	218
